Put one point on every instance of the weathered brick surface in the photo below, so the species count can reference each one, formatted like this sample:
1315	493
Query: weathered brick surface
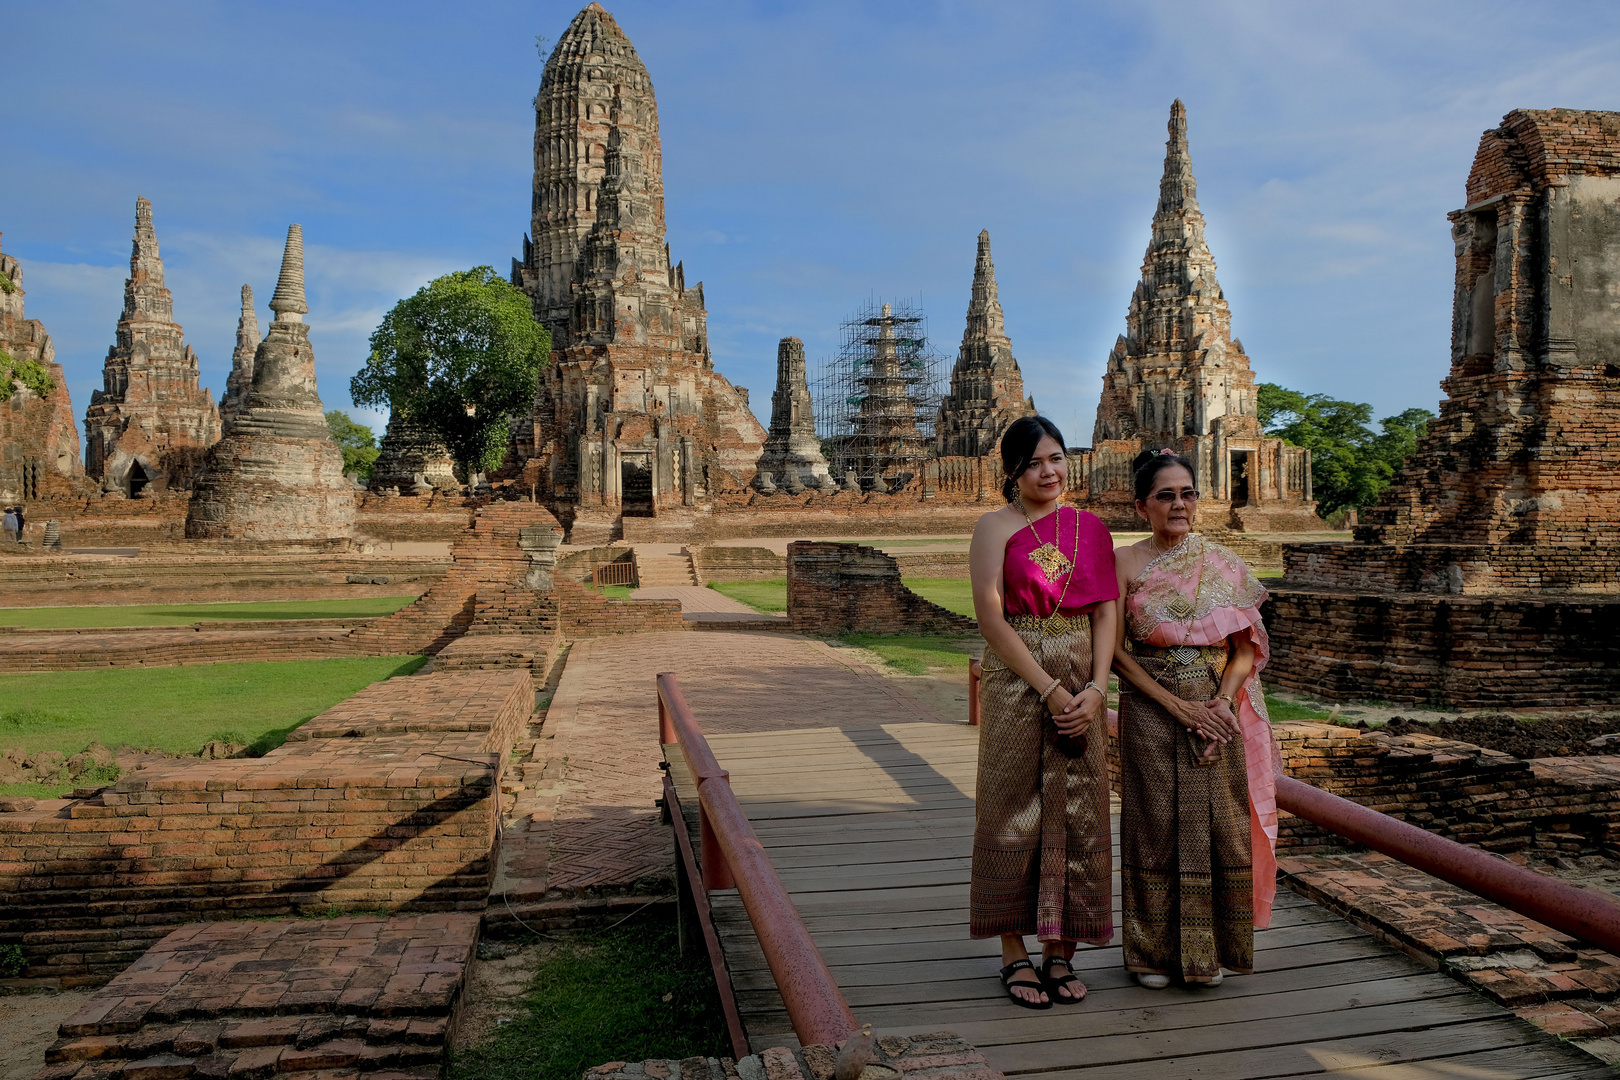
1511	494
937	1055
323	998
387	800
39	437
836	588
1458	790
1465	652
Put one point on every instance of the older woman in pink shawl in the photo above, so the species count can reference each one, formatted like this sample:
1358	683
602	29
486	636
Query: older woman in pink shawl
1198	821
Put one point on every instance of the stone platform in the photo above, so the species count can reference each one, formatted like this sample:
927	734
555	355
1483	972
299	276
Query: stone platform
349	997
388	800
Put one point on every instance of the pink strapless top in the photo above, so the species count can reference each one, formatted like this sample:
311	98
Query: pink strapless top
1083	540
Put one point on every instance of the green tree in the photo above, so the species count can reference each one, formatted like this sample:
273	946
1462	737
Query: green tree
1350	464
358	444
461	358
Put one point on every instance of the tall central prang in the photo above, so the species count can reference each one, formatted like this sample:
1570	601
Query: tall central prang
631	420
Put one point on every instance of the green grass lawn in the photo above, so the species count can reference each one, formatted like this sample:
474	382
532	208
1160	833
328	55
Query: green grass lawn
918	654
625	994
178	709
66	618
615	592
953	594
767	596
1292	710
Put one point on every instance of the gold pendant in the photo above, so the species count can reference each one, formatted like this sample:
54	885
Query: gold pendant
1184	655
1052	562
1179	608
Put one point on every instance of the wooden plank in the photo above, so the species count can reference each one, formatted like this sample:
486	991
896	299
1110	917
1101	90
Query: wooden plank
870	829
1314	1057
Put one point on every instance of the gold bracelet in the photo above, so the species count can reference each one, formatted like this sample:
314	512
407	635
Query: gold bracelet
1048	691
1230	704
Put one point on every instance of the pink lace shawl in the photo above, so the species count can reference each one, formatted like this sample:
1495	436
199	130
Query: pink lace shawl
1228	602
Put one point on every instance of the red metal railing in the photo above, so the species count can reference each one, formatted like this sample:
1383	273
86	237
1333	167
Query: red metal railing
733	857
615	573
1589	916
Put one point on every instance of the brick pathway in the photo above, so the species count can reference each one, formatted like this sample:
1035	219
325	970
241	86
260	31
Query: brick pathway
590	828
1547	977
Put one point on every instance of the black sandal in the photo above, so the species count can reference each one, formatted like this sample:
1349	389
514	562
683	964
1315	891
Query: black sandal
1040	985
1054	985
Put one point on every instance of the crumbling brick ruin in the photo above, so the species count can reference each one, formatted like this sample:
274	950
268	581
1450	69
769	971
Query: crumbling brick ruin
39	437
411	461
1489	573
151	424
631	419
240	381
1178	378
844	588
987	389
278	476
792	456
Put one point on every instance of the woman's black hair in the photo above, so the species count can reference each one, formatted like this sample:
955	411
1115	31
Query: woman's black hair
1148	465
1018	445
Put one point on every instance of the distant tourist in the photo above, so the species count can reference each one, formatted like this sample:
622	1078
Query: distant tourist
1198	821
1043	590
9	523
20	522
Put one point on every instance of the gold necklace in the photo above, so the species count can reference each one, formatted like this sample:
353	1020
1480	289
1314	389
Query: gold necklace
1051	561
1047	555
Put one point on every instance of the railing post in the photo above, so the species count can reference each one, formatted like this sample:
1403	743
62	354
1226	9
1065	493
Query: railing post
716	871
666	730
974	668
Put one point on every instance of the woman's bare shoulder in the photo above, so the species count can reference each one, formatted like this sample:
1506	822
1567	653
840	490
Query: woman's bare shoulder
1131	558
998	524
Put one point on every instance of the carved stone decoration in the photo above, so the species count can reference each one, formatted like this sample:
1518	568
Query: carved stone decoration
987	388
792	449
149	426
240	380
541	543
1178	378
631	416
278	476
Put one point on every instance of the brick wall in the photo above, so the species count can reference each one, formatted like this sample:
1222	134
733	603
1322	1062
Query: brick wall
714	563
1463	651
583	612
837	588
1455	569
387	800
1460	791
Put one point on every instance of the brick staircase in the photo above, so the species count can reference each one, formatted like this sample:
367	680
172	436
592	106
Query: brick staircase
511	628
653	571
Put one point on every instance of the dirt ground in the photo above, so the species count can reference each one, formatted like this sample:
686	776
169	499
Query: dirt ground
494	993
28	1023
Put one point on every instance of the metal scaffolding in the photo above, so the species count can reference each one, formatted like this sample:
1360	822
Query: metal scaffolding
879	398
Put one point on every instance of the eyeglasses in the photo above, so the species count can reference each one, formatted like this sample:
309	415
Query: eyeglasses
1167	496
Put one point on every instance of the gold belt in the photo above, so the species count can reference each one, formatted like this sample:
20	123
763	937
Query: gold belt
1055	626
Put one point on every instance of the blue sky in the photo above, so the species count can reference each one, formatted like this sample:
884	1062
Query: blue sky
815	155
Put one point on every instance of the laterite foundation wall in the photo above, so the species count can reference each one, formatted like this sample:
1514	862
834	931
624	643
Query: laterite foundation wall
387	800
1468	652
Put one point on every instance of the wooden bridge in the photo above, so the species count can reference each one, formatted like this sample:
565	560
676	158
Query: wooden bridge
869	830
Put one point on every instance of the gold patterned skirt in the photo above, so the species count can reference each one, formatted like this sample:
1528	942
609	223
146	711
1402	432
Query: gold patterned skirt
1041	850
1186	868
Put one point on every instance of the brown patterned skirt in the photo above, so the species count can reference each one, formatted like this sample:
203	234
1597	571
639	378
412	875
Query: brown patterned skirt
1186	869
1041	858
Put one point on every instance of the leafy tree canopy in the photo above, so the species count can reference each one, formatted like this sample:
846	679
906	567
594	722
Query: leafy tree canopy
358	444
1351	465
461	358
30	373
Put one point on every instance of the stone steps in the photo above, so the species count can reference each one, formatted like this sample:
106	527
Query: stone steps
653	571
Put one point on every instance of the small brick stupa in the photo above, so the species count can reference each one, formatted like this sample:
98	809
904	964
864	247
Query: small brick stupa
1490	574
792	457
278	476
240	380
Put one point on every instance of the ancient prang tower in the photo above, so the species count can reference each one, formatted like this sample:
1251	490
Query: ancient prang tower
987	389
278	476
631	420
792	457
148	429
240	380
39	437
1178	378
1491	571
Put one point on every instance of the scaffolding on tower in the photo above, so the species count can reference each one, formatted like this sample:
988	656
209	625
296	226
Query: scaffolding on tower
879	398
